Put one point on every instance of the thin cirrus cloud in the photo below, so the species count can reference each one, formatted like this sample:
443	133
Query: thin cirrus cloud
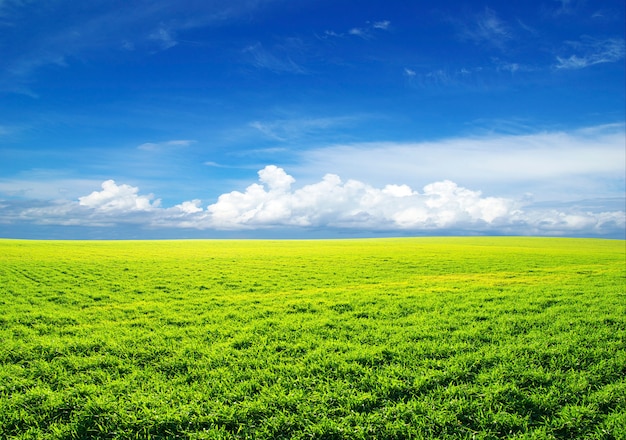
556	164
149	26
284	130
167	145
277	60
487	28
590	51
165	38
366	32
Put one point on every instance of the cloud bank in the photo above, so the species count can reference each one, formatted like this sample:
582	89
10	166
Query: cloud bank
332	203
274	203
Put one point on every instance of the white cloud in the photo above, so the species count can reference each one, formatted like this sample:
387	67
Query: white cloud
465	77
487	28
211	163
359	32
592	51
127	26
566	7
190	207
276	179
558	165
164	37
576	179
330	204
366	32
42	185
334	204
278	59
509	67
295	128
268	130
384	25
118	198
352	204
332	34
151	146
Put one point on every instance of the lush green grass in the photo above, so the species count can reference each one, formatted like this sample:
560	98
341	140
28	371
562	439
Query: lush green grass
394	338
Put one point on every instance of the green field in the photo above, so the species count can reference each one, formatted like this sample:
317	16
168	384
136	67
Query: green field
359	339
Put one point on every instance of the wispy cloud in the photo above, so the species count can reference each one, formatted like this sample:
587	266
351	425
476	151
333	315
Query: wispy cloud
284	130
359	32
8	9
42	186
511	67
384	25
487	28
445	78
366	32
165	38
496	73
591	51
551	165
277	60
167	145
210	163
565	7
150	27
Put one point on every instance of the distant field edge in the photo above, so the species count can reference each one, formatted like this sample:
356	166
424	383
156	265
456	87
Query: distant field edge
465	238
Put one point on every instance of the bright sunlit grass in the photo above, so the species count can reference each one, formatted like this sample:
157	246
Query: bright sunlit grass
390	338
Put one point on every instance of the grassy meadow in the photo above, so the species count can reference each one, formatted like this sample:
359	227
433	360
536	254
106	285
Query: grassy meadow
447	338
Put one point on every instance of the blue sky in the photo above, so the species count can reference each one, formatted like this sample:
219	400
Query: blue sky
311	118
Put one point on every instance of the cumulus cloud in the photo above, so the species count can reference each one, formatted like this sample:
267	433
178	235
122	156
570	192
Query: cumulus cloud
440	206
118	198
353	204
190	207
551	183
331	204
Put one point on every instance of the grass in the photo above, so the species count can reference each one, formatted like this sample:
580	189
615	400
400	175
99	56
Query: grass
453	338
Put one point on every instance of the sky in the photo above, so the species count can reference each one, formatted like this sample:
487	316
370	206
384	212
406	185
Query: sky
311	118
